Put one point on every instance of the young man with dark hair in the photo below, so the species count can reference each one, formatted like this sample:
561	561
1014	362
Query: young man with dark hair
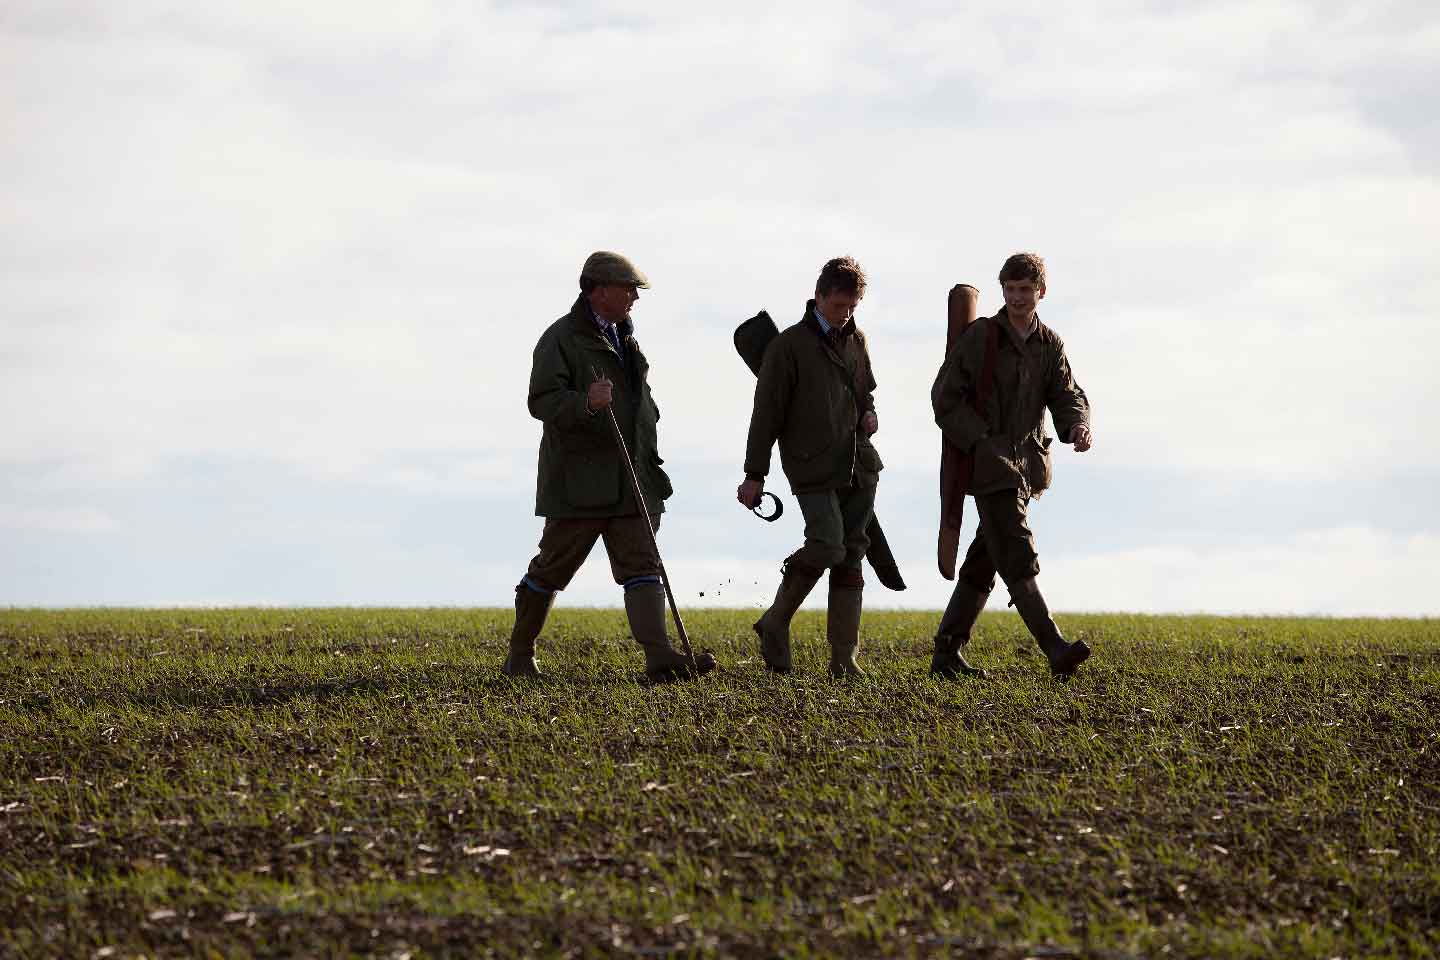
583	489
1011	451
815	395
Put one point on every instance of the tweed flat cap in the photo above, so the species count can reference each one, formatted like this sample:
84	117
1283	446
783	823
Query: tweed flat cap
612	269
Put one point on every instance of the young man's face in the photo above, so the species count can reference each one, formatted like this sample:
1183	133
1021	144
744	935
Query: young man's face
1021	297
613	303
837	307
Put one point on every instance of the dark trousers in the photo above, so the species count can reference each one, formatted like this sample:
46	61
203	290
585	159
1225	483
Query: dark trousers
564	545
1003	543
835	522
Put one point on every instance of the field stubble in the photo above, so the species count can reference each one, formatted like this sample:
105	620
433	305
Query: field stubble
364	782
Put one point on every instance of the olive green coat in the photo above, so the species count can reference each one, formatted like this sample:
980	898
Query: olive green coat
1012	450
580	473
810	396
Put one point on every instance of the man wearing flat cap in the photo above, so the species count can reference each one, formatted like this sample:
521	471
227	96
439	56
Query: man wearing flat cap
588	362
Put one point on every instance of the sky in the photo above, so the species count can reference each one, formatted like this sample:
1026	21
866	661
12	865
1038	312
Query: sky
271	275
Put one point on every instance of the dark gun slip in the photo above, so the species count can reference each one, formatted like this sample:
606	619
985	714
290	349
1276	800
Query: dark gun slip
751	339
957	467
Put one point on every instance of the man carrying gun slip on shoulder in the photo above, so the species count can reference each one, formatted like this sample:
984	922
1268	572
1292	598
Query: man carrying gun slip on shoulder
1023	361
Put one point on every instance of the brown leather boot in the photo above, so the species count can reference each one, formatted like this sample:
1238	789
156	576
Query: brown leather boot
645	607
953	634
1064	657
842	621
531	609
773	627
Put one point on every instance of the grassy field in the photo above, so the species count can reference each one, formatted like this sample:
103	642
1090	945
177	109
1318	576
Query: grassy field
330	782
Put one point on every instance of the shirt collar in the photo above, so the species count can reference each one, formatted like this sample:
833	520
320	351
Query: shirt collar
828	328
622	329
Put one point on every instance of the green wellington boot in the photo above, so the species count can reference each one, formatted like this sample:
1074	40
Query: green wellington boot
1064	657
953	634
531	609
842	622
773	627
645	607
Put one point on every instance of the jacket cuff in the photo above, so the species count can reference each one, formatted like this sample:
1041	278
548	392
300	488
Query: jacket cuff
752	475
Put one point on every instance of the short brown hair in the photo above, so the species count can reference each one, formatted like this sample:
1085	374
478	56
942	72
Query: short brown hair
1024	266
842	274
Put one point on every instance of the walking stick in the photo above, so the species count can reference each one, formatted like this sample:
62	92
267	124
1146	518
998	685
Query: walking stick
645	512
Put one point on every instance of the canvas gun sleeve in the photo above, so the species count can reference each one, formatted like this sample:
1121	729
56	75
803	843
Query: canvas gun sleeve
1068	405
773	389
952	394
557	394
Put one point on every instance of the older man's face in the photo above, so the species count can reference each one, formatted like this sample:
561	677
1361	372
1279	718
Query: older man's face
613	303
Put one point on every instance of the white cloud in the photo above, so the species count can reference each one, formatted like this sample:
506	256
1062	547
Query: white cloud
64	520
328	236
1341	571
466	477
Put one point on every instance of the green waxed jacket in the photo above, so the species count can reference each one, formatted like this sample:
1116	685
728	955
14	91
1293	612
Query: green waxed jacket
810	396
1012	450
580	473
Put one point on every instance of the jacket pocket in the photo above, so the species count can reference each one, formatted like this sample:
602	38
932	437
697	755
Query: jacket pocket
592	480
659	485
591	435
867	458
817	467
995	466
1041	471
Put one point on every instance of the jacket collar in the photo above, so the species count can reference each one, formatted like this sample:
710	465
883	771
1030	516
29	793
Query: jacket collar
583	321
1040	333
836	336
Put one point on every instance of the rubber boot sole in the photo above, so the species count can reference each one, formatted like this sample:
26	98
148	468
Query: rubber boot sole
524	670
704	663
953	668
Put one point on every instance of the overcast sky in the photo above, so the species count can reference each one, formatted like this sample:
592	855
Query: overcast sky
271	273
